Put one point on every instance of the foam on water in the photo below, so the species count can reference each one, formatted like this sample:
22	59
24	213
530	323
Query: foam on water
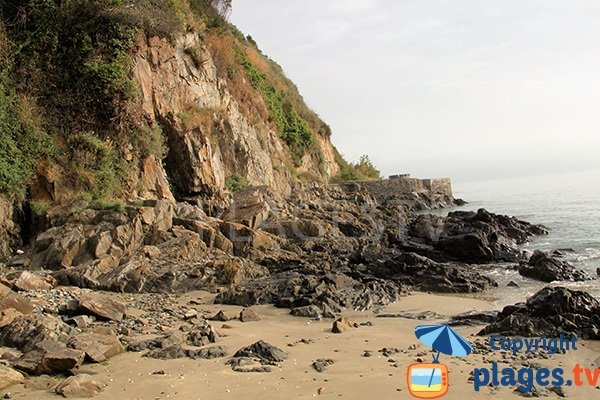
568	204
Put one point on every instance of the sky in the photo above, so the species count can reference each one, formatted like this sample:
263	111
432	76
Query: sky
469	89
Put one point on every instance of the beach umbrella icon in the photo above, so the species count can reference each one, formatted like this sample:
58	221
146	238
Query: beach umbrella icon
443	339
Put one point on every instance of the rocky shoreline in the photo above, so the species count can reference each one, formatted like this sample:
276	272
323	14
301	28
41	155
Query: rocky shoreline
321	252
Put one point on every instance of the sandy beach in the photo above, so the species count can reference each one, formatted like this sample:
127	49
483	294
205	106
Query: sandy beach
353	375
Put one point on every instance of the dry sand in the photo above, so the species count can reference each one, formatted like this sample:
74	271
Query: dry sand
353	376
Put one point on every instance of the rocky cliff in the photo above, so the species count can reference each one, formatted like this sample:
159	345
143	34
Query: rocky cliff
123	101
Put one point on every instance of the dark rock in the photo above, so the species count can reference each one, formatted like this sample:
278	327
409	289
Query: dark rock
512	284
249	315
263	351
321	364
260	369
25	332
331	293
177	351
221	316
201	335
310	311
472	237
548	269
473	318
551	311
425	274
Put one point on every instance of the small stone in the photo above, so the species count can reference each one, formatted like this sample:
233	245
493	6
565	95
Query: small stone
321	364
321	390
512	284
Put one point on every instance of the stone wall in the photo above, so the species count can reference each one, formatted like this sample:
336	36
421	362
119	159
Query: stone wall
422	193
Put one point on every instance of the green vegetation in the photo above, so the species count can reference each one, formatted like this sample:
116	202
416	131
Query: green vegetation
98	165
149	141
294	129
40	207
109	205
235	182
363	170
22	141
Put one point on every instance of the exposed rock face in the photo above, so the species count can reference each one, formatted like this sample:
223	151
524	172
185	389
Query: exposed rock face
427	275
545	268
222	141
551	311
472	237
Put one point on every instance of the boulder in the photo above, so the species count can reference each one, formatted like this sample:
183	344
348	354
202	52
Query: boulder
546	268
102	306
221	316
248	315
343	324
10	299
80	386
8	316
265	352
27	281
98	345
550	312
310	311
50	357
9	377
25	332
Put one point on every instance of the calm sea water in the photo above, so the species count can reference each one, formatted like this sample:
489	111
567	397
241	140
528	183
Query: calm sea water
568	204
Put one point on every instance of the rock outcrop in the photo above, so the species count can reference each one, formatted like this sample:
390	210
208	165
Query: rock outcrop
546	268
471	237
550	312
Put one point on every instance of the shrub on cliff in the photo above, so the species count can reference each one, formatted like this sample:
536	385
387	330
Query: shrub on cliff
363	170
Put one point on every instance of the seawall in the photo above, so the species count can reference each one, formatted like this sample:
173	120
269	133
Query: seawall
421	193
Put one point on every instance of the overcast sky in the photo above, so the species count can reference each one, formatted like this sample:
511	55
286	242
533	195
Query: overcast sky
469	89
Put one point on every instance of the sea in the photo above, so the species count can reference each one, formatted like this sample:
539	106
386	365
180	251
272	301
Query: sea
567	204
